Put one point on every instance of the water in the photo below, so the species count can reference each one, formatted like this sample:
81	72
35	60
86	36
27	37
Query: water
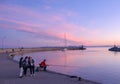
97	64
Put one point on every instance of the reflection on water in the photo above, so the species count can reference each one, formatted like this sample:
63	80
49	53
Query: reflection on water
96	64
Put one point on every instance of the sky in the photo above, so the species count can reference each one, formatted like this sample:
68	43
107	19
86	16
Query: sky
36	23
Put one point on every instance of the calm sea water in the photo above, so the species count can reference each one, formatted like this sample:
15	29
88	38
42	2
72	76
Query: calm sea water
97	64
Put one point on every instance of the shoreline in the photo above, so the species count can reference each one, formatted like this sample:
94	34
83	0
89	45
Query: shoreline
73	78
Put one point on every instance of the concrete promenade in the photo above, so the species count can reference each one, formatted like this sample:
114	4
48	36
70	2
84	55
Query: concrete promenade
9	72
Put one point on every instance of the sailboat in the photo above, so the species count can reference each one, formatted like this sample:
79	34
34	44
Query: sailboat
114	48
65	47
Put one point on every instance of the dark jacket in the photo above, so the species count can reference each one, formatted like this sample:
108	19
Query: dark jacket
20	63
31	62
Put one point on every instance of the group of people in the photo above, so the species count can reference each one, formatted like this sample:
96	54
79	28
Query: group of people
25	64
29	63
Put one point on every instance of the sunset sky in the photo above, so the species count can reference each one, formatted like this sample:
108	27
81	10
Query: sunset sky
35	23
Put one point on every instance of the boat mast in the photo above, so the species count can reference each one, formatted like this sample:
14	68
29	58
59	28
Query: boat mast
65	40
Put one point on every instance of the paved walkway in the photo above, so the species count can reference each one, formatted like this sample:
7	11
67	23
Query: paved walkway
9	72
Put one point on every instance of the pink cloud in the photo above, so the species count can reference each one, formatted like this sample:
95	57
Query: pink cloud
69	36
22	11
54	33
31	13
53	24
42	17
90	31
49	33
22	23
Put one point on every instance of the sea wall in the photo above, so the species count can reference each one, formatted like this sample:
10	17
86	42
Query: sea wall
15	51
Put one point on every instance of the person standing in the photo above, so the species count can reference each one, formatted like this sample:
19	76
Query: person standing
21	67
32	66
25	65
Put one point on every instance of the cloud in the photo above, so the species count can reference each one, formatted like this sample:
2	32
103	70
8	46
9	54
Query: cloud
49	34
51	25
21	23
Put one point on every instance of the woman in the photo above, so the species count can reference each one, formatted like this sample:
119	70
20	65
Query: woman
25	65
32	66
21	67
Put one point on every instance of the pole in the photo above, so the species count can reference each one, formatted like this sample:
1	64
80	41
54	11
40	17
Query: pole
3	42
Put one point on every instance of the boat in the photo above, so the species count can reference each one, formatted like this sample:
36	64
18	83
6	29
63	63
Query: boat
82	48
114	48
64	49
